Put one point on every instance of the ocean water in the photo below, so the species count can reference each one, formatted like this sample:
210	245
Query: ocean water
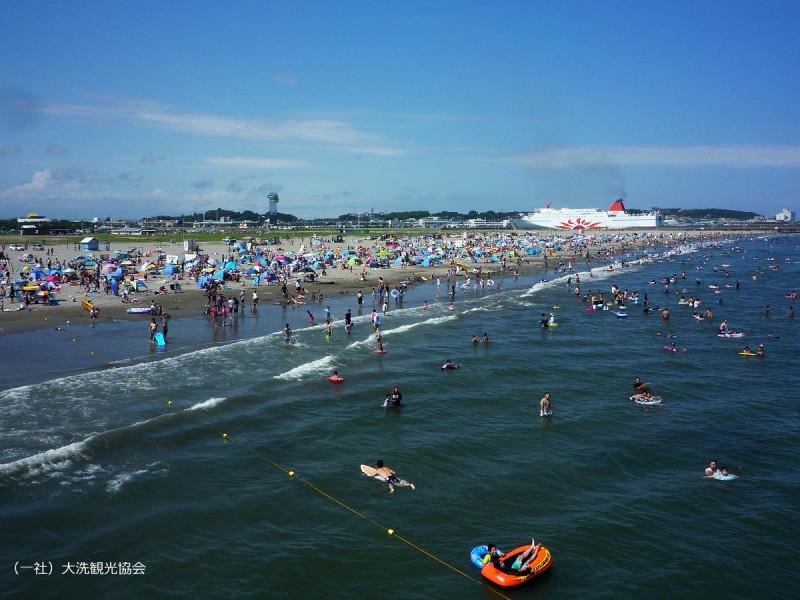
119	456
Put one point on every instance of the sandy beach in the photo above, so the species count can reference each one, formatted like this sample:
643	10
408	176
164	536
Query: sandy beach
190	301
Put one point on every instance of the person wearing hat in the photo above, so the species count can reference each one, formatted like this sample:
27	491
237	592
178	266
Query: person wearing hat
552	320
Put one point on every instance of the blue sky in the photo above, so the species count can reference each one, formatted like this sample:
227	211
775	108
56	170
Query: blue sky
132	109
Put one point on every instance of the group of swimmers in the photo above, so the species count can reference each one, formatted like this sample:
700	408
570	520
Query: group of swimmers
521	562
393	398
714	472
759	352
643	393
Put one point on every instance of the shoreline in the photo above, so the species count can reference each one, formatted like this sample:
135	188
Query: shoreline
190	301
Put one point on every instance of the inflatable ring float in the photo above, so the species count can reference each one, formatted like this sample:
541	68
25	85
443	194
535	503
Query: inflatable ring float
479	553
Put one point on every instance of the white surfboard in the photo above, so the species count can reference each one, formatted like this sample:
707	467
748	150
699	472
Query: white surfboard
370	472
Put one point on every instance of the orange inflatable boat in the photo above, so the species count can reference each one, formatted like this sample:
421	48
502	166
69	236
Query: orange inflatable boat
540	564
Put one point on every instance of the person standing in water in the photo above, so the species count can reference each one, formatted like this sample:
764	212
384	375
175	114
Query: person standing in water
545	407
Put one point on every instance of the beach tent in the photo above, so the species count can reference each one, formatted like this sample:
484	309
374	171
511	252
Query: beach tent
426	262
494	259
139	286
399	260
172	270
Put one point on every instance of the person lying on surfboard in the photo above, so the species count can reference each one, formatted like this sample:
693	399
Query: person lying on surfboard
391	477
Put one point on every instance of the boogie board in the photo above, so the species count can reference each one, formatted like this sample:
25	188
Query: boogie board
748	354
652	401
141	310
159	338
88	305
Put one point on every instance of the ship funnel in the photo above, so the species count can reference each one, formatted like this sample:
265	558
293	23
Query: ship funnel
618	206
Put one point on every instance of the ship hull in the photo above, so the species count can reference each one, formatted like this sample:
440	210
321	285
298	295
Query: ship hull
587	219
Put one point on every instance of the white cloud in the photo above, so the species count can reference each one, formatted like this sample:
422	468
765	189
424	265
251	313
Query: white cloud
73	193
11	149
285	79
40	181
201	184
241	162
745	156
328	132
55	150
134	176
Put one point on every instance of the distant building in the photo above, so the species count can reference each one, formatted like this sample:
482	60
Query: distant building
785	215
273	208
34	224
90	243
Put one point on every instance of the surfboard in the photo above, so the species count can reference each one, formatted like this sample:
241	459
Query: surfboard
370	472
88	305
748	354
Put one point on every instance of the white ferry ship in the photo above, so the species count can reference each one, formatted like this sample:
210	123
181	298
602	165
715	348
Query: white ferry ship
588	218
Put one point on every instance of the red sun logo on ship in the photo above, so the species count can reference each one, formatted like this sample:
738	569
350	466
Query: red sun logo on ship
580	224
